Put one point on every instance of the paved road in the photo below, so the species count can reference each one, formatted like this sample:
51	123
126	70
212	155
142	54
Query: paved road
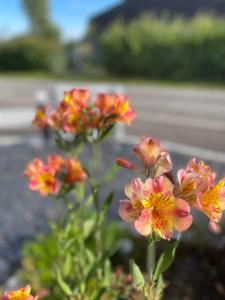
194	117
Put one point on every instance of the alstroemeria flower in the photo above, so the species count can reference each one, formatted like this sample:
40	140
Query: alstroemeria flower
204	171
55	162
42	176
76	114
21	294
122	162
153	155
77	98
45	181
41	119
73	110
45	177
33	168
130	209
212	202
153	208
75	172
189	184
115	108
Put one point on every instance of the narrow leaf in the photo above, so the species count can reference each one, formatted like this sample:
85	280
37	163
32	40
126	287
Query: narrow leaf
166	259
137	275
67	265
62	283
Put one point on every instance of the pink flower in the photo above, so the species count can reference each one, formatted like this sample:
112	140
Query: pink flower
153	155
124	163
204	171
189	184
152	207
130	209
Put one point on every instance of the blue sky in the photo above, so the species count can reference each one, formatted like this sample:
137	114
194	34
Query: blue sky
71	15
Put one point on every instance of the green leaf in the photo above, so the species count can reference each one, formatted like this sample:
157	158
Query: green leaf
90	256
64	286
137	275
99	263
107	204
88	227
80	192
160	288
166	259
107	273
67	265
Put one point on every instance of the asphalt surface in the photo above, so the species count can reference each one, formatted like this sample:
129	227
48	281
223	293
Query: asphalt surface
194	117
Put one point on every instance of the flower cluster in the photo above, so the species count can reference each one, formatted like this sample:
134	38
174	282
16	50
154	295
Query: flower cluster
159	204
196	184
21	294
48	178
76	113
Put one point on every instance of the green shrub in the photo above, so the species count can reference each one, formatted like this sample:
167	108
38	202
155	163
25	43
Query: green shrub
29	54
162	48
63	250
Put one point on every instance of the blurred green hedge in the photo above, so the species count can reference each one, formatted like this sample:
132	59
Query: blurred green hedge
166	49
27	53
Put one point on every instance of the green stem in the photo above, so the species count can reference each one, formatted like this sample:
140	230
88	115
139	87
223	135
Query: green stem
151	257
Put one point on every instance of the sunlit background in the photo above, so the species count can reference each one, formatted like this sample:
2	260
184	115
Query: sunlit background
168	56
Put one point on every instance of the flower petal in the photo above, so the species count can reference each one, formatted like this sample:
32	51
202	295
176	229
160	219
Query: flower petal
163	164
182	218
127	212
134	189
143	223
158	185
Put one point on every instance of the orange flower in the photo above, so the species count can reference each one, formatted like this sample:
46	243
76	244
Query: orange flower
41	119
56	162
72	114
56	117
76	114
123	110
77	98
153	155
45	182
21	294
45	177
33	168
42	177
153	208
75	172
212	202
115	108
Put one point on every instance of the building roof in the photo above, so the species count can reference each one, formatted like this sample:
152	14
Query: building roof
131	9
